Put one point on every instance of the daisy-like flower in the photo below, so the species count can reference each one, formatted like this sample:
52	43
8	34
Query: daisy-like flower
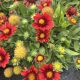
71	11
42	36
61	50
20	52
43	3
6	31
43	22
30	74
8	72
73	20
47	73
4	58
28	2
57	66
39	58
3	18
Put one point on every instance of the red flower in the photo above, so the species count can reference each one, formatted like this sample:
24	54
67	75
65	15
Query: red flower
42	36
31	74
47	73
71	11
4	58
43	22
3	18
44	3
6	31
28	2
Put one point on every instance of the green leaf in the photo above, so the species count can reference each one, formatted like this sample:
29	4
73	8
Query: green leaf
76	31
57	11
22	9
71	53
67	42
42	50
76	45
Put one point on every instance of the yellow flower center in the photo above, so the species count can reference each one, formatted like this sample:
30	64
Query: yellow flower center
49	74
78	61
45	4
42	35
6	31
40	58
1	58
42	21
73	21
31	76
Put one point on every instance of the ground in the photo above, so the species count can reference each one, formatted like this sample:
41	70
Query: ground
71	74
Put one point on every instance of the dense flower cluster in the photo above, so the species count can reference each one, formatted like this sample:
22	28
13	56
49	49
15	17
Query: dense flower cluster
39	38
43	23
46	73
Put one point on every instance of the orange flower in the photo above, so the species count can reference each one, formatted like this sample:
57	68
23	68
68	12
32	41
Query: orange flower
42	36
6	31
47	73
30	74
43	22
44	3
4	58
71	11
3	18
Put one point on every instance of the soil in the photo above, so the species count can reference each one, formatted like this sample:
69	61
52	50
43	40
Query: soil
71	74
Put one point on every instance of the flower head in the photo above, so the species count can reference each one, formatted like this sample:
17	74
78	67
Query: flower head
57	66
14	19
47	73
3	18
30	74
71	11
44	3
73	20
39	58
48	10
62	50
20	52
8	72
4	58
43	22
17	70
42	36
19	43
6	31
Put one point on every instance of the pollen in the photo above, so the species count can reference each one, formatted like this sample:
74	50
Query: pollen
42	21
49	74
42	35
40	58
6	31
31	76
